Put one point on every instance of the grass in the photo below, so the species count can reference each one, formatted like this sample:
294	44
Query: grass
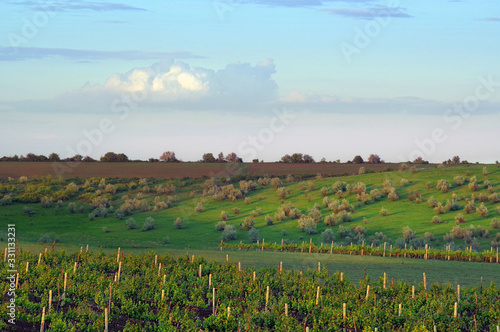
409	270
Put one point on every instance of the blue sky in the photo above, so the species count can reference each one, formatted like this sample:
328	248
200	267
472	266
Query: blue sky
261	78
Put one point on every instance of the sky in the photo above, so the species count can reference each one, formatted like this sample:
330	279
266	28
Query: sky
261	78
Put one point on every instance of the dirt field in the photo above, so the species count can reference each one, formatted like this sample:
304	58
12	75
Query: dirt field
174	170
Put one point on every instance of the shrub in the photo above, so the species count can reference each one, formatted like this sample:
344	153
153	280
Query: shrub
269	220
473	186
131	224
199	207
459	180
72	207
247	224
360	230
331	220
148	225
306	222
223	216
179	223
485	171
495	223
437	220
248	200
105	230
428	236
469	207
165	240
453	205
413	169
393	196
460	218
253	234
290	178
439	208
281	192
279	216
236	210
375	194
220	226
494	198
361	170
433	202
345	216
327	236
404	182
344	231
482	210
229	233
443	186
276	182
324	191
315	214
384	212
408	234
481	232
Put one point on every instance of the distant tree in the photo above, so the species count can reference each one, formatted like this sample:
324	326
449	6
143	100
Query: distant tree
233	158
168	156
286	159
121	157
420	160
87	159
220	158
456	160
113	157
54	157
153	160
308	159
358	160
297	158
208	158
374	159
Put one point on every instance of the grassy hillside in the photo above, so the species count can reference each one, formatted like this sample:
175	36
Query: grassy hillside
50	220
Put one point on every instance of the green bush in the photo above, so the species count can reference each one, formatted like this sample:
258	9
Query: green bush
253	234
148	225
179	223
131	224
327	236
229	233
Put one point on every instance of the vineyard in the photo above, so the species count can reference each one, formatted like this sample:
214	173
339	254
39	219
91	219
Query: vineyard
94	291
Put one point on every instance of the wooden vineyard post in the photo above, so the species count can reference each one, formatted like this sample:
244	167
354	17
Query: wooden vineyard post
344	310
159	269
239	266
227	258
5	255
156	260
213	301
43	320
341	276
209	280
412	292
162	294
267	298
385	279
254	275
50	299
400	309
199	271
426	251
118	255
310	245
165	280
65	283
105	319
74	267
455	310
119	272
17	280
367	292
385	244
331	248
281	267
39	258
228	311
27	266
317	295
319	267
286	309
458	293
87	250
497	254
109	299
425	282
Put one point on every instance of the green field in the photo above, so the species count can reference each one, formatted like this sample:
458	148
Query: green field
38	222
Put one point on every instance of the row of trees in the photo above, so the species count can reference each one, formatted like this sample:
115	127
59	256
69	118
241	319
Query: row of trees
169	156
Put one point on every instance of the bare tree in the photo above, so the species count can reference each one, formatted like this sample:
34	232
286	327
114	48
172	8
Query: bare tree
168	156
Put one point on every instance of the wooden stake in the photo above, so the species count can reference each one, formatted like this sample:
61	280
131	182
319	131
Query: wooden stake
162	294
400	308
319	267
159	269
239	266
281	266
199	272
105	319
74	267
227	258
65	282
253	275
39	258
43	320
385	278
156	260
458	293
317	295
119	272
455	310
286	309
412	292
310	245
367	292
17	279
228	311
267	297
341	276
50	299
425	282
213	301
5	255
87	250
385	244
209	280
344	310
165	279
118	255
27	266
331	248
